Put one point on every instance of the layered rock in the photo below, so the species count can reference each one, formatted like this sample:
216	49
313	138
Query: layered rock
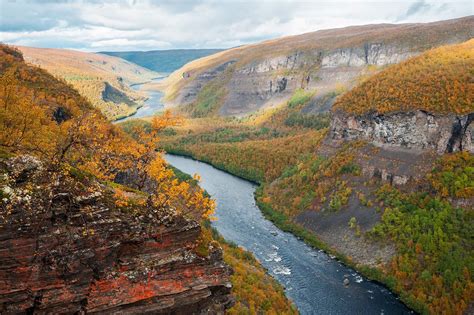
271	81
66	247
417	130
189	92
369	54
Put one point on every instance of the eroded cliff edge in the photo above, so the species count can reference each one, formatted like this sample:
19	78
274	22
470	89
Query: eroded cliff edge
416	130
67	247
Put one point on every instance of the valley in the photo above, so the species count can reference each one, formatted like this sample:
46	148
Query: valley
308	275
103	80
330	172
151	106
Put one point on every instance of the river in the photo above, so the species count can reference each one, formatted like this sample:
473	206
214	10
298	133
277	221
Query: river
152	104
311	278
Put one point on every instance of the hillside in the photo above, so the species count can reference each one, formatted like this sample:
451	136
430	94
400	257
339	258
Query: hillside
163	61
434	92
242	80
92	220
384	181
439	81
103	80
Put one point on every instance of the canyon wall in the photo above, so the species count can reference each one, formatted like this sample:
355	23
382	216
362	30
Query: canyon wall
417	130
67	247
271	81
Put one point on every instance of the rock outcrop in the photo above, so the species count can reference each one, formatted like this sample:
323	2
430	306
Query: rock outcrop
189	92
369	54
66	247
411	130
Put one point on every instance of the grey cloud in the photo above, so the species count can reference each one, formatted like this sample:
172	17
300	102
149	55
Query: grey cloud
161	24
417	7
22	15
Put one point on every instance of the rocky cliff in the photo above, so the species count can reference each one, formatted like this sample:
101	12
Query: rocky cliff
424	103
417	130
67	247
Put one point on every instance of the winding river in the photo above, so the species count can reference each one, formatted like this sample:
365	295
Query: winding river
152	104
311	278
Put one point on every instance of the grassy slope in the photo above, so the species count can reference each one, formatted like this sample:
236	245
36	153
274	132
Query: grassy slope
34	79
438	81
417	37
430	271
89	73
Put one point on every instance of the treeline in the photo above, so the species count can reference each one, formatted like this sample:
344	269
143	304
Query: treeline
256	160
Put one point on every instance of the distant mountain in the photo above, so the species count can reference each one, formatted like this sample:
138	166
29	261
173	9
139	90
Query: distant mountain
162	60
103	80
325	62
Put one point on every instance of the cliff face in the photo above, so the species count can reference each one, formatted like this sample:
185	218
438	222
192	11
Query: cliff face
271	81
67	247
411	130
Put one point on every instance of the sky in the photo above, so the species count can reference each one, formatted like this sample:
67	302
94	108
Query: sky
167	24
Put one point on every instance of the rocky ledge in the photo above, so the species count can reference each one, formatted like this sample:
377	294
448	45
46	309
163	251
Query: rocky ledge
66	247
417	130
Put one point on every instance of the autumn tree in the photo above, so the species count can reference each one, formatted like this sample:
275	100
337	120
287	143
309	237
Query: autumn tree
82	138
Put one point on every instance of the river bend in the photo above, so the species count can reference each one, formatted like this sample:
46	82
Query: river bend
312	279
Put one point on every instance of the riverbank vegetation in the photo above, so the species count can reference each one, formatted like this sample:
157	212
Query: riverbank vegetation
254	290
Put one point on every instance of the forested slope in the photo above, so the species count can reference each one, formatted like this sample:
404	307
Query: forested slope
103	80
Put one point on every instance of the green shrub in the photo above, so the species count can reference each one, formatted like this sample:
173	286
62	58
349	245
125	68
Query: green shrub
300	97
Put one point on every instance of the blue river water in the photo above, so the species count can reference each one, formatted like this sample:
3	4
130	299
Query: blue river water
312	279
151	106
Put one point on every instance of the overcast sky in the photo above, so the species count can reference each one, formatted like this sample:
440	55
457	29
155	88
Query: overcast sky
147	25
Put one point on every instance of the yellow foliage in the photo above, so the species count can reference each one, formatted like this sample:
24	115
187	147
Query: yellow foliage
437	81
42	116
